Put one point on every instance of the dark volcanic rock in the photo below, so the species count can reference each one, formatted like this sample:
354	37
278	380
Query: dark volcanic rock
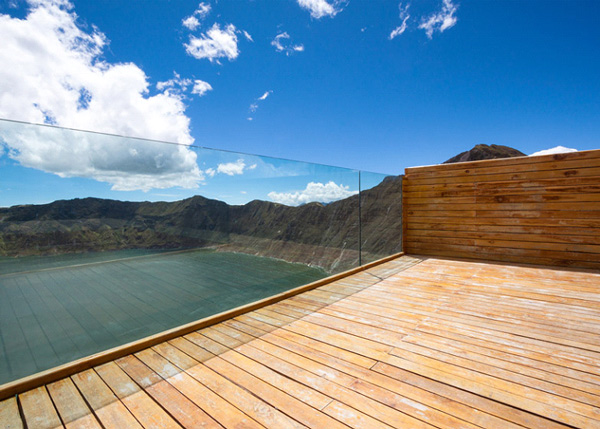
484	151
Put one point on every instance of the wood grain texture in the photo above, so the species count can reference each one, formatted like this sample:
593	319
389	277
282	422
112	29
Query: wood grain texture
538	210
9	414
39	410
72	409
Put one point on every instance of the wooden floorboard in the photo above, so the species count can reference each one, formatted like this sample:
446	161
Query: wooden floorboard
415	342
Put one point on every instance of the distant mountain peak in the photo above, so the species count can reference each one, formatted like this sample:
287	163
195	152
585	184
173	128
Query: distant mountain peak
484	151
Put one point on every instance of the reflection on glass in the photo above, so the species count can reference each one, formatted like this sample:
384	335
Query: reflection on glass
381	216
105	240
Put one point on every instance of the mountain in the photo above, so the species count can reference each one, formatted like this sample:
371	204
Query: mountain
315	234
484	151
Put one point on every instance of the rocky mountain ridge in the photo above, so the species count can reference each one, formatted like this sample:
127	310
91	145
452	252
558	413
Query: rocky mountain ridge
316	234
484	151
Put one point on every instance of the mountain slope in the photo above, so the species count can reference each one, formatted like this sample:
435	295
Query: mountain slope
484	151
322	235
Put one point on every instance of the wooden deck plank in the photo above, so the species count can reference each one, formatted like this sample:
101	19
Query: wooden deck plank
502	328
555	373
393	393
554	407
327	381
222	411
298	391
108	408
249	325
495	368
443	402
9	414
351	417
183	410
72	409
137	401
428	342
512	345
218	382
39	410
300	411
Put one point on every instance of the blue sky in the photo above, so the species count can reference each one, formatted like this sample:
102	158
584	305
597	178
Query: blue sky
322	81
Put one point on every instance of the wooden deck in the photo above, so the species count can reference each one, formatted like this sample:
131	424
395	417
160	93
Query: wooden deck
412	343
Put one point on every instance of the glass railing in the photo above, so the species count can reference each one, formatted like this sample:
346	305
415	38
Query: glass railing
105	239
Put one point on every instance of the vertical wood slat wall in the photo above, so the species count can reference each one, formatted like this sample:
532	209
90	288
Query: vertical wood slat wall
534	210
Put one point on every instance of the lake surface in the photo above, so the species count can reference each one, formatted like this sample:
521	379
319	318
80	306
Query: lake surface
60	308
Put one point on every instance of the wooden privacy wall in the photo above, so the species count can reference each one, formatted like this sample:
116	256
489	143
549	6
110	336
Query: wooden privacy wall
535	210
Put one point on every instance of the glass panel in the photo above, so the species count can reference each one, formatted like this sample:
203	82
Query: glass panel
381	215
105	240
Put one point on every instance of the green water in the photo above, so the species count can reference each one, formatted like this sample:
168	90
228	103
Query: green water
57	309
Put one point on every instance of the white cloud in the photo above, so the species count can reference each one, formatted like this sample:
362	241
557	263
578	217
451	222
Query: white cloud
320	8
247	36
282	43
203	10
440	21
276	42
230	168
215	44
200	87
404	16
176	83
179	85
314	191
254	106
192	22
125	163
234	168
57	75
398	31
265	95
554	150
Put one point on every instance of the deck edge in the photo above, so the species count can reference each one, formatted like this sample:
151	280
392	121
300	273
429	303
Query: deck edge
53	374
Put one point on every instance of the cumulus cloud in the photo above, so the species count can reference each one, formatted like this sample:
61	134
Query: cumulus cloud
126	163
192	22
200	87
282	43
404	16
320	8
314	191
230	168
57	76
440	21
554	150
214	44
179	85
